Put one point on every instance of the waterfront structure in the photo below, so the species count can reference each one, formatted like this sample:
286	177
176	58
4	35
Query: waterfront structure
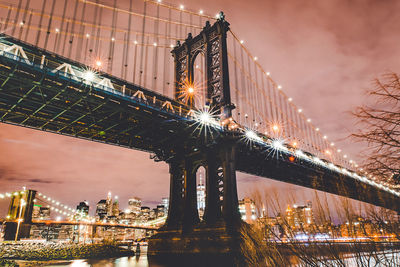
41	213
201	196
247	210
101	210
134	205
300	216
83	208
109	204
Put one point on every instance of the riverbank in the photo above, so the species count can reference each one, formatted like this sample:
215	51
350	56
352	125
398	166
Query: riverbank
59	251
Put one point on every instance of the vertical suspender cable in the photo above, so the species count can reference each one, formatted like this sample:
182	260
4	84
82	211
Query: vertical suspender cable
134	61
27	29
59	36
72	36
24	18
82	34
165	85
98	34
92	41
129	43
7	22
235	74
40	23
16	18
112	40
142	43
65	39
155	53
145	72
49	24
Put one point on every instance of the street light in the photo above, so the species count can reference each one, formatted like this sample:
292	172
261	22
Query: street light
23	203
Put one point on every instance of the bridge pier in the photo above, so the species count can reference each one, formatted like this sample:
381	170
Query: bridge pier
183	233
20	209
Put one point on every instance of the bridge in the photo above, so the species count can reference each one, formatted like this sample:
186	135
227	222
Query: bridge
105	73
20	216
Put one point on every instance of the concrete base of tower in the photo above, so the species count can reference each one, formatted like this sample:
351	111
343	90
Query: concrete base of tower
202	246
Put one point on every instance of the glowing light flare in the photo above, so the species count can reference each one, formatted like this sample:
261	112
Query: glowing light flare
99	63
88	75
251	135
278	144
205	117
294	144
275	128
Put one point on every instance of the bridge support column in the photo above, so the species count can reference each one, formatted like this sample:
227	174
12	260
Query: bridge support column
212	212
219	233
230	204
176	196
190	213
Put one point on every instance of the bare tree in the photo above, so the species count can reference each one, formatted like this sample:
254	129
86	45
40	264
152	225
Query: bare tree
380	129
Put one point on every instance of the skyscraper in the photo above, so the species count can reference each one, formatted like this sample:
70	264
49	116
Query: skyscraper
83	208
247	210
109	204
201	195
134	205
101	209
300	216
115	207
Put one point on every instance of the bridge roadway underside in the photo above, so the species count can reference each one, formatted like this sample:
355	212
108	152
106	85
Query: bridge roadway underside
266	163
39	99
35	97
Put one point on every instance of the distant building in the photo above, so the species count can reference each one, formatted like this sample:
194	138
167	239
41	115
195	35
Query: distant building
165	203
300	217
101	210
83	208
201	196
247	209
115	207
40	213
134	205
109	204
144	214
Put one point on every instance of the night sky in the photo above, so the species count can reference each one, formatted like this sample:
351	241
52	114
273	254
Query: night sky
325	54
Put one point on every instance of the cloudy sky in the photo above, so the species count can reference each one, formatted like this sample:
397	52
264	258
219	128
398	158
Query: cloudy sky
324	53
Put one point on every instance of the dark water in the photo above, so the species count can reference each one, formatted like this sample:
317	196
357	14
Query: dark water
134	261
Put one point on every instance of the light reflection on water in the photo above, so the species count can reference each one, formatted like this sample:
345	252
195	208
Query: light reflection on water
133	261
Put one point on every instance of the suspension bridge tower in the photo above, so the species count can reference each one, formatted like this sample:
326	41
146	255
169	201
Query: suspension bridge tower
19	216
218	232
